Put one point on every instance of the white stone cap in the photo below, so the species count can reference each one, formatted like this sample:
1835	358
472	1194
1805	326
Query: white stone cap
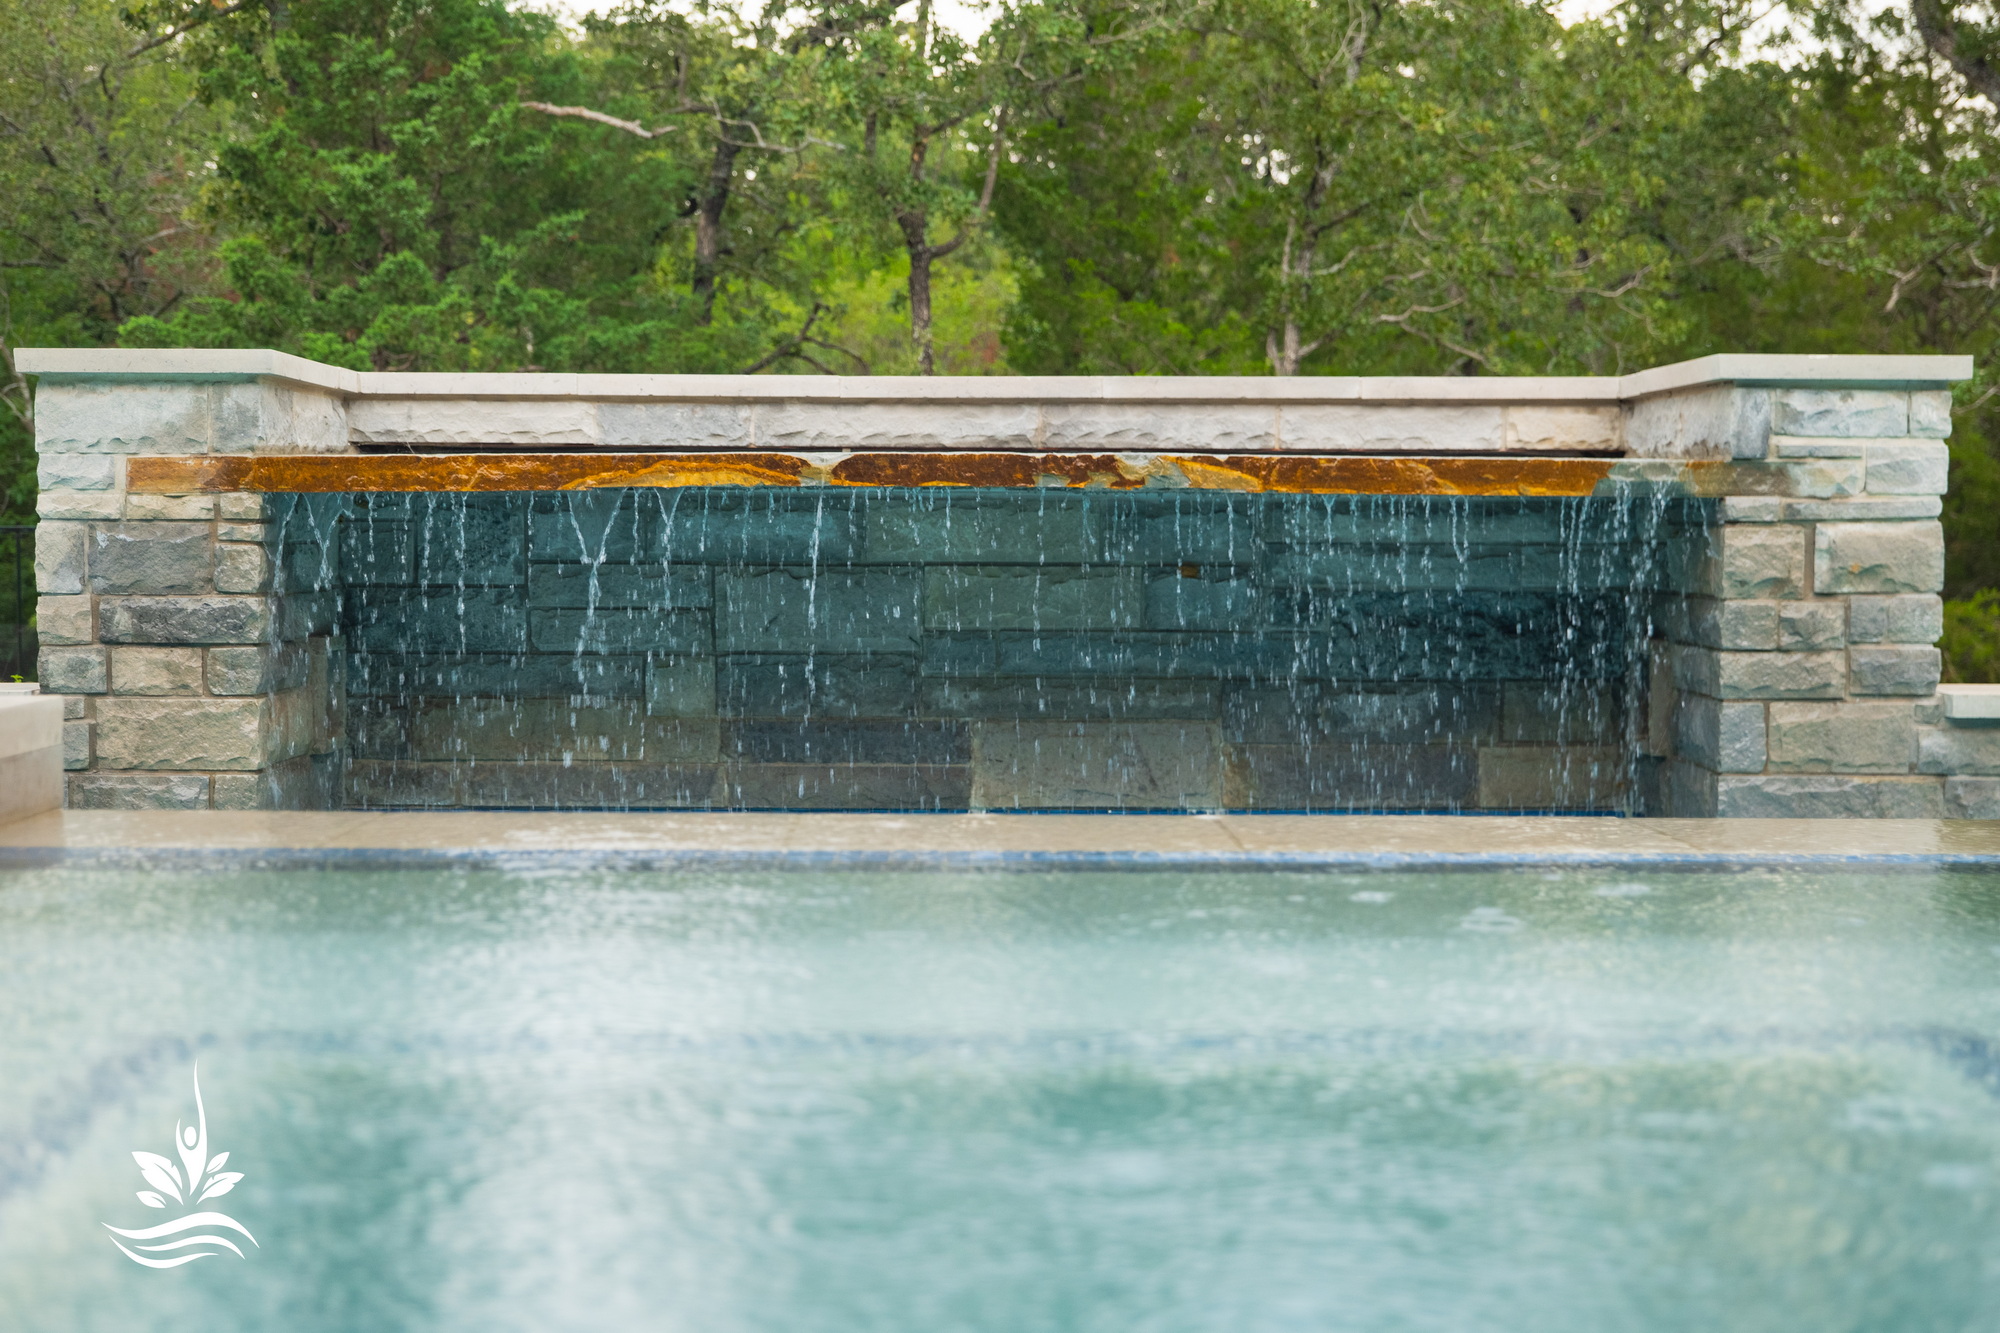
1971	703
29	721
115	365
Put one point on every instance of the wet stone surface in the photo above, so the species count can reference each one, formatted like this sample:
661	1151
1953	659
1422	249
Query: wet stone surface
946	649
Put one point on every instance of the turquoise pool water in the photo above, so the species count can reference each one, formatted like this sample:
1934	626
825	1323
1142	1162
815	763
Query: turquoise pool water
1009	1101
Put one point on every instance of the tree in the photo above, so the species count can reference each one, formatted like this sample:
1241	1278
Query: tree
103	147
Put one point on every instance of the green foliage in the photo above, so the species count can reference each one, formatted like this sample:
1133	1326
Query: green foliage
1971	642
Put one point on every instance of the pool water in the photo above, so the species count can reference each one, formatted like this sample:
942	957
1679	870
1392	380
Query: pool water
716	1101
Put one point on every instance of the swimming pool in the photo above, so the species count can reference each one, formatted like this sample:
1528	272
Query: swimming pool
732	1099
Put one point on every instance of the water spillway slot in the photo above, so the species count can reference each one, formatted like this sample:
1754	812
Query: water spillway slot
945	648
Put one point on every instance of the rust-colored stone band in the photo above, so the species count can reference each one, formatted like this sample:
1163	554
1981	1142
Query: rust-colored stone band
1295	473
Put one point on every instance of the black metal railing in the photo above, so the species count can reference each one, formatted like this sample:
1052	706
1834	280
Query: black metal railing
18	646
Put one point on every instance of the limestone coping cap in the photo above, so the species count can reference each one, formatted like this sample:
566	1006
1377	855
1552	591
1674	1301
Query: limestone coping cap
29	722
1971	703
1761	370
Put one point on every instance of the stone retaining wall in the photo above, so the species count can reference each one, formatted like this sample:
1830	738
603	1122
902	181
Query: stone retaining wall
206	641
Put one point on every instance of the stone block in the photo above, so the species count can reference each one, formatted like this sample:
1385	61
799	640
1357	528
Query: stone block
649	587
843	787
1537	712
1535	777
1841	412
246	670
59	556
1726	737
1351	776
377	553
74	671
619	630
824	685
124	418
243	532
796	427
1757	562
1171	427
1371	428
77	472
1744	624
1827	796
75	707
1719	421
840	611
99	505
156	670
1911	618
1878	557
1843	737
556	786
1096	766
558	730
1104	699
1200	600
928	742
1795	447
141	507
1812	625
1959	750
399	675
134	733
1030	597
1894	669
66	620
241	567
1055	530
684	688
1750	508
151	558
1930	413
1537	428
1807	478
673	425
1972	798
1907	467
184	620
76	745
477	620
1864	509
554	422
241	507
136	791
1733	675
1687	791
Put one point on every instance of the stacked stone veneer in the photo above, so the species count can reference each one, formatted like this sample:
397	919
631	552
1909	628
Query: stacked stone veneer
949	649
205	644
190	679
1797	667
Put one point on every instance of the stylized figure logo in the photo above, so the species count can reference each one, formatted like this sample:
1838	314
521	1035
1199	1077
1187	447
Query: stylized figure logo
197	1179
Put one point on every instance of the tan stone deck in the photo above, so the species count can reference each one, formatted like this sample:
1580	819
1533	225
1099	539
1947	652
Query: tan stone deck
867	839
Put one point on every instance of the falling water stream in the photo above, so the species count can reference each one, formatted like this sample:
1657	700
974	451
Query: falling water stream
948	648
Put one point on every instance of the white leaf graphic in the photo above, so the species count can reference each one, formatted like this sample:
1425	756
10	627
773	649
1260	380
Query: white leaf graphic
223	1184
151	1200
160	1173
215	1162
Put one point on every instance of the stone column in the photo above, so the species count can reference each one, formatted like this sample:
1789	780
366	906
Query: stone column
193	674
1799	655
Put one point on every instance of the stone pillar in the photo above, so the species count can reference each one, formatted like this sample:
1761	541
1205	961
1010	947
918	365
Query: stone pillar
1798	661
193	674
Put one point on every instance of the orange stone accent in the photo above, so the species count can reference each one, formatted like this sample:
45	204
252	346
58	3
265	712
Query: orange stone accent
1288	473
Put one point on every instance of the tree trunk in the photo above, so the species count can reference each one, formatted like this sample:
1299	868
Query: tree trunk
921	254
708	227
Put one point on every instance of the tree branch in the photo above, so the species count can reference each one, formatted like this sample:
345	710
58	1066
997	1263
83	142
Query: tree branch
585	113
